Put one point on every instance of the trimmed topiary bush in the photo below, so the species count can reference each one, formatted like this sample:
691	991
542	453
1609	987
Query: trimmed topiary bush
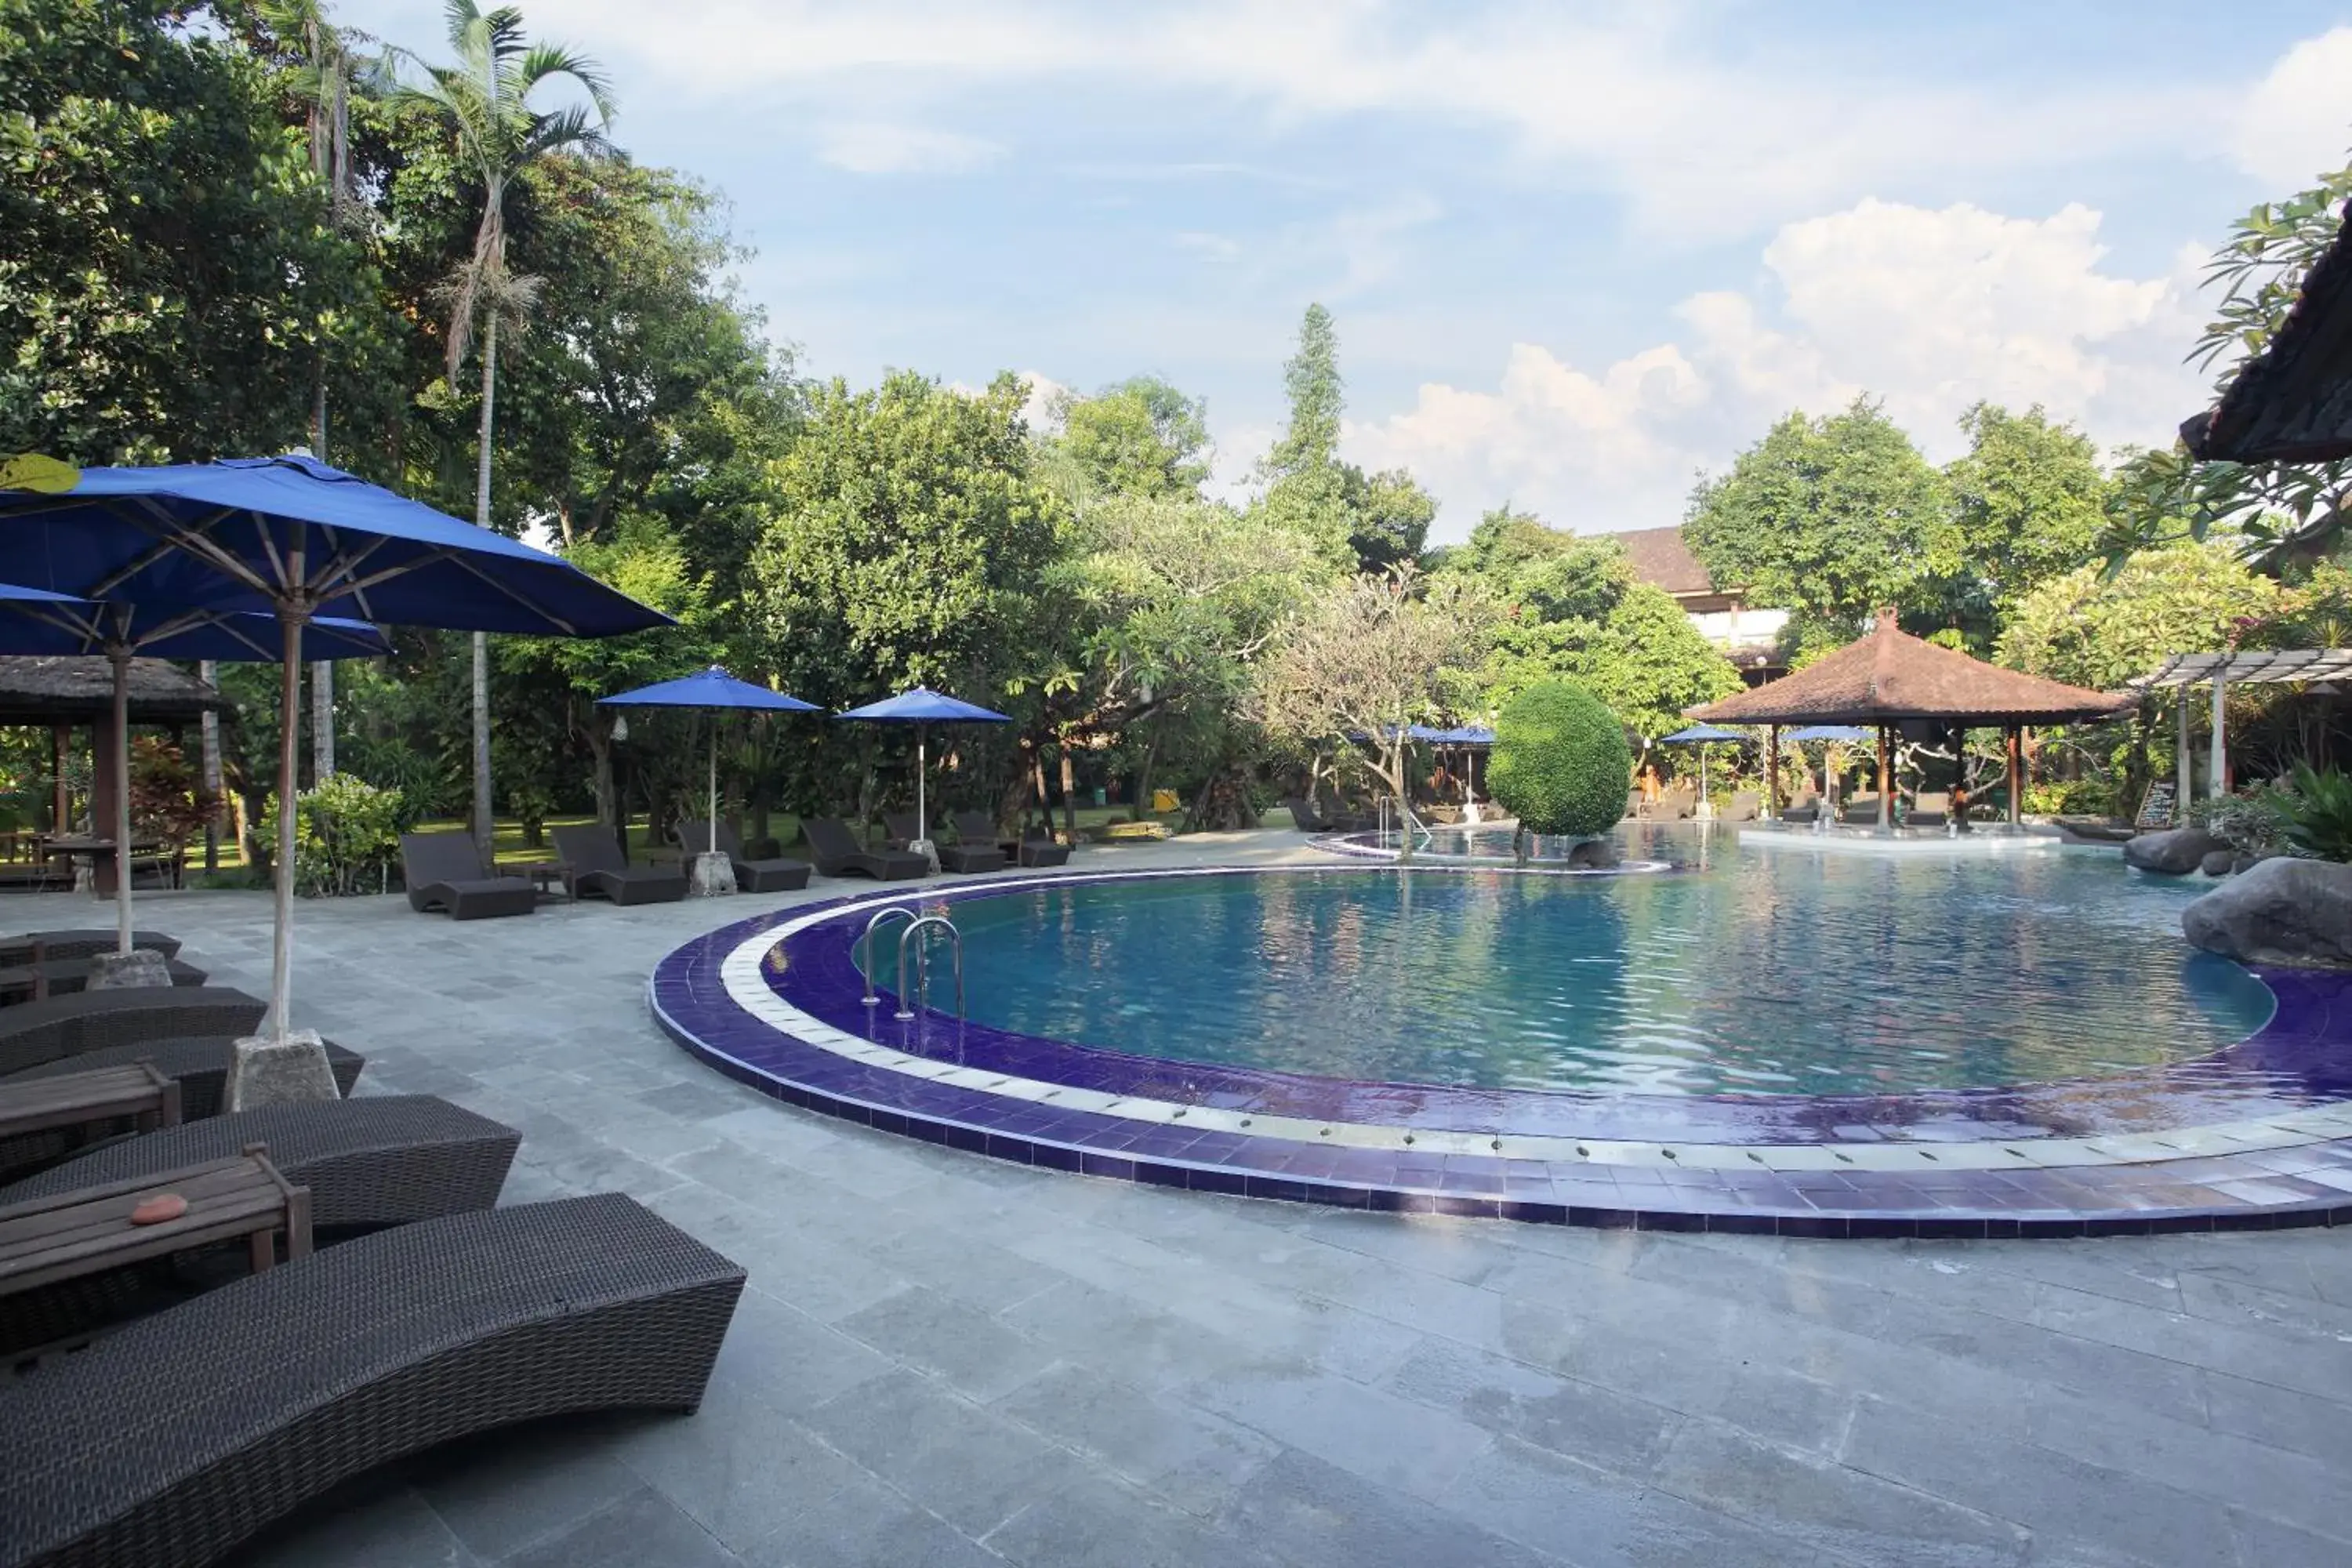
1560	762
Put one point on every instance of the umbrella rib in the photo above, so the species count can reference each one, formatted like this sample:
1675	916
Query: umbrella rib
554	620
332	580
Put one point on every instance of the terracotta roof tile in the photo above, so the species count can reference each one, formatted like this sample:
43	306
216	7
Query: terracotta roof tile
1660	558
1891	675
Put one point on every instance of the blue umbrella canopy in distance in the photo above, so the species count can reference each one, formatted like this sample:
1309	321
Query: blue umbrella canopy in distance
35	621
922	706
1844	734
1700	735
712	688
295	538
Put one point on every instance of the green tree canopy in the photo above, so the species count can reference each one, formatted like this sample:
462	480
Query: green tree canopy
1140	438
1829	517
2096	629
2029	501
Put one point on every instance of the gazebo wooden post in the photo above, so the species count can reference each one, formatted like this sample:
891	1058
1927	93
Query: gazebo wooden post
2015	738
61	798
1886	782
1773	773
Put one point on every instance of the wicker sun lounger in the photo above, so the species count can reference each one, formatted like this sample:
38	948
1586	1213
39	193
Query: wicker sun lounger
971	852
197	1063
1035	848
353	1357
79	942
774	874
65	976
594	867
384	1160
39	1032
837	854
443	872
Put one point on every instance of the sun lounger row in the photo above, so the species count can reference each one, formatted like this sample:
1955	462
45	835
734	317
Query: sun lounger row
195	1411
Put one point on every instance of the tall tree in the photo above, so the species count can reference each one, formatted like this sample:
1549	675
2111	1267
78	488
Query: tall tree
1317	397
2028	504
486	97
1829	517
1141	438
169	271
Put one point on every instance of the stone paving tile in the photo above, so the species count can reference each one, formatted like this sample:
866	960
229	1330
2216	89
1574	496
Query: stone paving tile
378	1520
1189	1458
1094	1520
501	1493
973	1467
1311	1514
1396	1444
741	1468
642	1527
976	1356
868	1525
1602	1428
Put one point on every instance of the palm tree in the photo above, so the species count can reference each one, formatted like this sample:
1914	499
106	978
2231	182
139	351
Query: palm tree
486	98
327	75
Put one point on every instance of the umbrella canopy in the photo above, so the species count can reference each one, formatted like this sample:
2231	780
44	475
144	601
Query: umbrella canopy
1700	735
712	688
919	707
1844	735
35	621
295	538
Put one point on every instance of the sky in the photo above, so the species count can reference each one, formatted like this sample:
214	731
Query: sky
1577	255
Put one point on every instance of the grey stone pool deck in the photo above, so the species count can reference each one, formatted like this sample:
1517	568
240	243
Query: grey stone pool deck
947	1359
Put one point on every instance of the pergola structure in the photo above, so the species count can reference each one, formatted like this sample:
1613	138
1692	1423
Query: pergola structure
2298	666
1891	679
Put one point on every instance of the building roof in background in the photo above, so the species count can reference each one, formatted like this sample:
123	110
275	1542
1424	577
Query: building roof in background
1890	676
79	689
1661	559
2292	403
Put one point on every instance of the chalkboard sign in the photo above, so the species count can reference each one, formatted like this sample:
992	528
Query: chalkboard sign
2155	806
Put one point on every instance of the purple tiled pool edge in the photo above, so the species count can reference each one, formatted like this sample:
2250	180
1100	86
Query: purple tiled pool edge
2303	1058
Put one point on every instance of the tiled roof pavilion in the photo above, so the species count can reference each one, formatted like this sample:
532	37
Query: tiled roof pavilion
1891	677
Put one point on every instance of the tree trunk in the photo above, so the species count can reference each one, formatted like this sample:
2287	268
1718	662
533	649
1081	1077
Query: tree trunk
599	733
209	673
1069	793
1143	777
485	824
323	720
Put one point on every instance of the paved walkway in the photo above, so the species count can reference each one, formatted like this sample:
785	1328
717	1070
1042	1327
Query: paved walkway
948	1360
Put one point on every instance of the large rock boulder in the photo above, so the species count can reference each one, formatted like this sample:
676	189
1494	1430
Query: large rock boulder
2282	910
2175	853
2219	862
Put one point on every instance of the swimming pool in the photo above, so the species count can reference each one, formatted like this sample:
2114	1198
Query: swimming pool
1763	974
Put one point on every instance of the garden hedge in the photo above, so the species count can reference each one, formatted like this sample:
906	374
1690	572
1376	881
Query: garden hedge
1561	763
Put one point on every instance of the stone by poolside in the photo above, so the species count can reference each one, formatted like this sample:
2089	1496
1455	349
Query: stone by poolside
2280	911
946	1359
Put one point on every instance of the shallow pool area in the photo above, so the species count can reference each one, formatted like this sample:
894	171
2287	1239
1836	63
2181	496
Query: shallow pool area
1759	975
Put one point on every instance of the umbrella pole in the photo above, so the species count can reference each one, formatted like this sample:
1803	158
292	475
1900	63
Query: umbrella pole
712	846
281	944
120	657
923	818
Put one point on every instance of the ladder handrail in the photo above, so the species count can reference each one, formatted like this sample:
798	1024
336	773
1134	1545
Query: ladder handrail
907	940
872	998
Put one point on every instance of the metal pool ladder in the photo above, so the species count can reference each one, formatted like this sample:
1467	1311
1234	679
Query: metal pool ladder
866	944
910	939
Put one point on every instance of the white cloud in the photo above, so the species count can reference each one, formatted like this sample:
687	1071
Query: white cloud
1697	138
2297	122
874	148
1931	310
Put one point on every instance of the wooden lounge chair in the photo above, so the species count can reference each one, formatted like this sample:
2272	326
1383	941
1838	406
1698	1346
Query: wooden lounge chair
88	1021
837	854
774	874
34	946
384	1160
443	872
594	866
197	1063
256	1397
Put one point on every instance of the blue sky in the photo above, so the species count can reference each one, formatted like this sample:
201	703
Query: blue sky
1576	254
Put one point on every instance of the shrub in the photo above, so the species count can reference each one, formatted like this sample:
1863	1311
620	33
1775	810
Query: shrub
2316	816
346	836
1560	762
2254	823
2070	798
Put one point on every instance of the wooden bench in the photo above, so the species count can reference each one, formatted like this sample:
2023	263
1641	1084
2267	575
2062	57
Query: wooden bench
83	1099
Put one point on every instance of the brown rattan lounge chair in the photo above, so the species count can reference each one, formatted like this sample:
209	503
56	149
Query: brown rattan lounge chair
443	873
79	943
972	852
88	1021
198	1064
173	1441
593	866
775	874
837	854
1034	847
384	1160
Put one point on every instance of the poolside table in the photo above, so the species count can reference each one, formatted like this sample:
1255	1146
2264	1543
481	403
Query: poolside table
550	876
81	1099
88	1231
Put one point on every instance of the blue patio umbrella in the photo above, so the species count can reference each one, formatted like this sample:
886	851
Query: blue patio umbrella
1845	734
919	707
1701	736
293	538
34	621
712	688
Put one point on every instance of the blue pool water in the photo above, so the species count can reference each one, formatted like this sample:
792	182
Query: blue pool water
1787	974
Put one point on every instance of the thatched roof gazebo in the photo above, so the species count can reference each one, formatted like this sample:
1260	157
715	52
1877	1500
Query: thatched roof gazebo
1891	677
63	693
2292	403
